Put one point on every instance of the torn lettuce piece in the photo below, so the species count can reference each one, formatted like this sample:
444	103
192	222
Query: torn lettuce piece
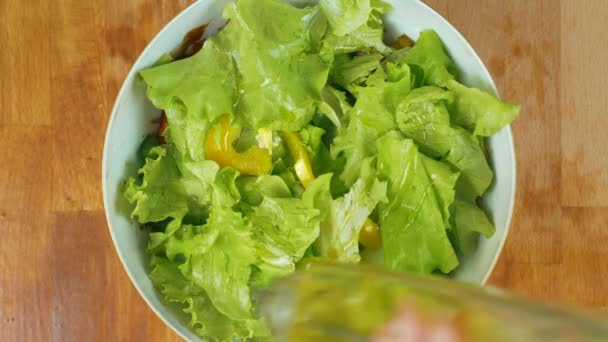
429	54
197	179
479	112
205	319
413	230
161	194
398	85
423	117
284	228
468	156
222	266
337	106
372	116
350	71
216	256
320	157
281	73
444	179
365	37
344	16
254	189
343	217
469	221
318	195
214	260
221	262
164	59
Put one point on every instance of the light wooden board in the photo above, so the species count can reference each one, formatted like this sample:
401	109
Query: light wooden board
62	64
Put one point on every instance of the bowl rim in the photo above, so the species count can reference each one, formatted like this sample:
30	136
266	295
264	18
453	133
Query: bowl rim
149	47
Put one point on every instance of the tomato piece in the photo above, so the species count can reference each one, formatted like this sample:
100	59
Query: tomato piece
162	128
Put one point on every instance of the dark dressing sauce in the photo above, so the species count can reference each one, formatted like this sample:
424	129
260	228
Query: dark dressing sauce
193	41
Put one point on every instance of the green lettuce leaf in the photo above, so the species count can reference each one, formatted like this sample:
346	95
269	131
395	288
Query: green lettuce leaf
412	223
214	262
217	255
284	228
218	259
254	189
292	181
469	222
318	195
223	269
356	143
312	137
197	180
366	36
205	319
398	84
443	178
321	159
164	59
280	74
468	156
372	115
192	98
225	191
344	16
343	217
271	75
349	71
423	117
479	112
429	54
337	106
161	194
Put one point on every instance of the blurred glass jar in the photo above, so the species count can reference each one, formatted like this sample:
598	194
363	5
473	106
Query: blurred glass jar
348	303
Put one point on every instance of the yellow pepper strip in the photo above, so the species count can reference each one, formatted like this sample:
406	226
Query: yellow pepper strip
219	148
369	236
300	157
264	138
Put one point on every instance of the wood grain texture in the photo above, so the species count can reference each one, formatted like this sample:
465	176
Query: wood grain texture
582	63
63	63
32	79
90	294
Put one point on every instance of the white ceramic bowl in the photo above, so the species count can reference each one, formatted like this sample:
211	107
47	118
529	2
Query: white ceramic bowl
131	121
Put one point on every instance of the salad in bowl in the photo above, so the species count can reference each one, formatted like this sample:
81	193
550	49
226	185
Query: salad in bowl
299	134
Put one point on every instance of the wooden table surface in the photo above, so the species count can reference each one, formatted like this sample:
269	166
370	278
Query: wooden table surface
62	63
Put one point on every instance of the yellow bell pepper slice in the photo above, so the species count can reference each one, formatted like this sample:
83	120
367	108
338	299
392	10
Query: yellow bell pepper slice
369	236
264	138
301	160
219	148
